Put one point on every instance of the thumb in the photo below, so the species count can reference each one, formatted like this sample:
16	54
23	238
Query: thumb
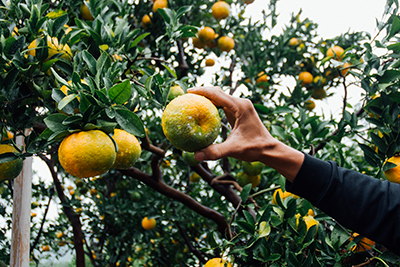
213	152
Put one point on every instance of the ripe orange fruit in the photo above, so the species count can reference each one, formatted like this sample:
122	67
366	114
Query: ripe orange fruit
159	4
220	10
129	149
244	179
345	68
282	195
217	262
146	21
206	35
197	43
294	42
53	48
149	224
319	93
210	62
226	43
253	168
85	13
175	91
306	78
393	174
46	248
191	122
11	169
310	105
335	52
319	80
87	153
363	245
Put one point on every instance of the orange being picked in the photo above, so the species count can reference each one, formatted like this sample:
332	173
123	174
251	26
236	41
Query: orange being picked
335	52
53	48
218	262
226	43
149	224
393	174
11	169
282	195
244	179
363	245
191	122
220	10
159	4
129	149
306	78
85	13
175	91
210	62
206	35
87	153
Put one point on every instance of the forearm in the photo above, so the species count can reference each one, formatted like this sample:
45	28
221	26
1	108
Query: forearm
284	159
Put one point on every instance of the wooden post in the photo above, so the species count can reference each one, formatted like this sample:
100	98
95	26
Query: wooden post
21	215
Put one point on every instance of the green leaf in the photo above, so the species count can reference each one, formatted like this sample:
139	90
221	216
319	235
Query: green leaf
395	27
66	100
138	39
59	24
249	218
130	122
182	10
246	227
167	16
274	257
90	60
245	193
265	229
279	110
59	78
170	70
6	157
388	166
55	122
120	93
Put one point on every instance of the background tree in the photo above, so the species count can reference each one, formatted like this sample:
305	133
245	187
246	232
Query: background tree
118	61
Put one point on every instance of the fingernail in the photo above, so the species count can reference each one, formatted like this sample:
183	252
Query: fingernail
199	156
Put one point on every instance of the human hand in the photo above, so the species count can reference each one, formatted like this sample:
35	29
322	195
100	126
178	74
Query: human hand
249	137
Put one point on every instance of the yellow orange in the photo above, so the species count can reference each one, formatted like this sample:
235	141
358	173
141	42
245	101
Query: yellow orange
85	13
345	68
393	174
226	43
335	52
306	78
206	35
310	105
197	43
129	149
282	195
218	262
146	21
11	169
294	41
244	179
149	224
220	10
159	4
191	122
87	153
210	62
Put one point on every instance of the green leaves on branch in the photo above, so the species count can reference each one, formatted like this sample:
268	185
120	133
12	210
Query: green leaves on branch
174	29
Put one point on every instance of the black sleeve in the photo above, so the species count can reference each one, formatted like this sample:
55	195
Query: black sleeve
366	205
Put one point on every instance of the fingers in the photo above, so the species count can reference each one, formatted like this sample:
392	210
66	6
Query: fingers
213	152
216	95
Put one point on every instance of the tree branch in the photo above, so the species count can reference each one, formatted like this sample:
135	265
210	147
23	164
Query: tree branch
159	186
69	212
183	66
189	244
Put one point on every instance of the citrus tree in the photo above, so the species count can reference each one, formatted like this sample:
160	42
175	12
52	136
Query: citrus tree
91	80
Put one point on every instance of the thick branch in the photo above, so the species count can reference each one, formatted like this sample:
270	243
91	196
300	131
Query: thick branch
159	186
73	217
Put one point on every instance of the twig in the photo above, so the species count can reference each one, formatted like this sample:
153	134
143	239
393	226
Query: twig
189	244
